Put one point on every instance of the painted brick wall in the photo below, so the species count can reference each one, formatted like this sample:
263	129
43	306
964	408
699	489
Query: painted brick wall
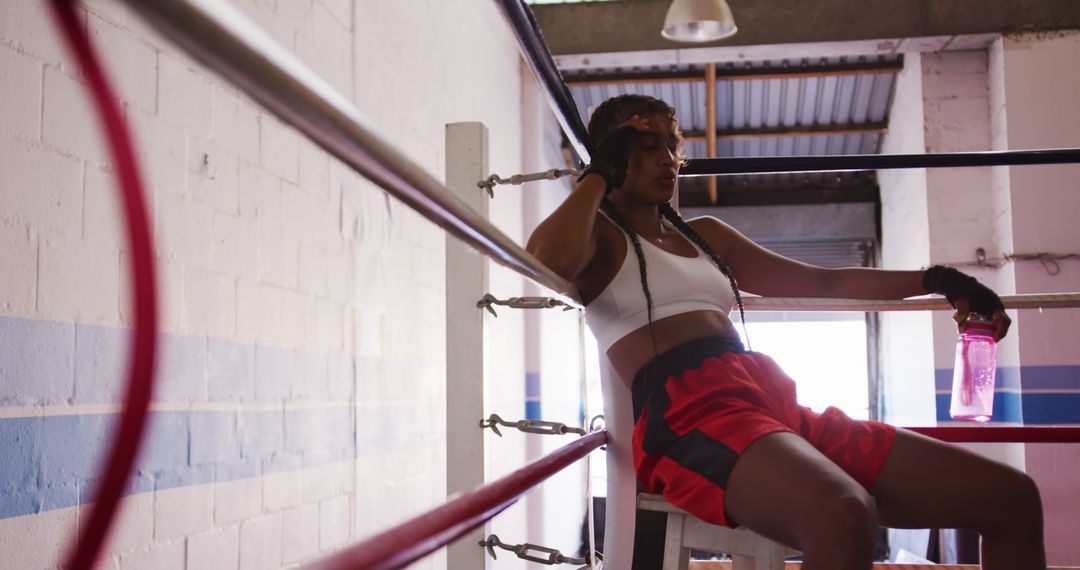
1037	105
301	395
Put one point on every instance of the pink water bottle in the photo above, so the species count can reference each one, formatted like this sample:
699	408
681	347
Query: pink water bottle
973	373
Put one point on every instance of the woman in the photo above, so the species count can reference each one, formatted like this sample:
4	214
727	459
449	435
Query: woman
718	430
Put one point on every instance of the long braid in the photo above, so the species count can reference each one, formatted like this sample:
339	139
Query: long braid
675	218
609	208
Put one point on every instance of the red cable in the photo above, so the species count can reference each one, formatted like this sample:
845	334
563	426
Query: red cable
141	364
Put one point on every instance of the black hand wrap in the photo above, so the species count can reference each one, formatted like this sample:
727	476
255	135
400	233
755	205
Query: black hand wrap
956	285
612	156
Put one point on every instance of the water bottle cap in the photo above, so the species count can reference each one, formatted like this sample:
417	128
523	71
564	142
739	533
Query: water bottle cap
978	324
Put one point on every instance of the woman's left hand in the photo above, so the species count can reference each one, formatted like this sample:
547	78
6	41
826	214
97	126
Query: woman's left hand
1002	322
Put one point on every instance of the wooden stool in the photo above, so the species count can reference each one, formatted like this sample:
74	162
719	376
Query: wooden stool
685	531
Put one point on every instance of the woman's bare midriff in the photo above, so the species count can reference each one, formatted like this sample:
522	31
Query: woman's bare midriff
634	350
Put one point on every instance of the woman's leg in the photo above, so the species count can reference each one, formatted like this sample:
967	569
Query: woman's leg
929	484
784	489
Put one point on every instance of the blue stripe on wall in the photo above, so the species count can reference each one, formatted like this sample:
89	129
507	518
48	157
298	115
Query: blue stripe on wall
51	462
1006	407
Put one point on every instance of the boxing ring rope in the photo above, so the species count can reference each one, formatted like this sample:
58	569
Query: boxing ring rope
426	532
224	40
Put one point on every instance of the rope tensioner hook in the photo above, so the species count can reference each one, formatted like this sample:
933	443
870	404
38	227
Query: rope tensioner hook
490	182
521	303
522	551
530	426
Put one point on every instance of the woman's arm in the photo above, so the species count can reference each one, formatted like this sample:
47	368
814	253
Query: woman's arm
763	272
566	240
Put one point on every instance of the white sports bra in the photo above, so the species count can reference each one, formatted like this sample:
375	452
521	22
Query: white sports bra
678	285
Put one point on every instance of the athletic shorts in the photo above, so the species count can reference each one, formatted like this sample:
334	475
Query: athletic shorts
700	404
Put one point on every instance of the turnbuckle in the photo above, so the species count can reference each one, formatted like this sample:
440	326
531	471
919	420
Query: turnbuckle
530	426
522	551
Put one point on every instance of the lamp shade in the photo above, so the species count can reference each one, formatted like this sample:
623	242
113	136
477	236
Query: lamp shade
698	21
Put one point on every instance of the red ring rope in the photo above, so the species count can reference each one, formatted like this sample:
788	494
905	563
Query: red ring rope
141	364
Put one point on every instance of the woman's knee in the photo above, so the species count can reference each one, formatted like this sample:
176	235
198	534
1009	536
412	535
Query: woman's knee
1016	502
846	518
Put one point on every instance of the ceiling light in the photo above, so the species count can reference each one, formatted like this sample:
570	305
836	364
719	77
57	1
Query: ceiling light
698	21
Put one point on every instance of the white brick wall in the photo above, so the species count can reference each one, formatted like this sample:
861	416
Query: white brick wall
263	240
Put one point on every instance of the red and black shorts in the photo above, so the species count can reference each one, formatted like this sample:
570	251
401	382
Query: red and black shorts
700	404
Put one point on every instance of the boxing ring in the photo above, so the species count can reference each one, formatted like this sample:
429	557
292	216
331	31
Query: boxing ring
225	41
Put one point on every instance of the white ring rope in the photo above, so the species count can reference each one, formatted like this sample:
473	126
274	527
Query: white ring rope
1046	301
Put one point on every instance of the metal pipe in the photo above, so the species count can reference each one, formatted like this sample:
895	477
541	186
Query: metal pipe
763	164
535	51
995	434
223	39
426	532
1049	301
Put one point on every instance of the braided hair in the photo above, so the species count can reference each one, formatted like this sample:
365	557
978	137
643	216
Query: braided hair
606	118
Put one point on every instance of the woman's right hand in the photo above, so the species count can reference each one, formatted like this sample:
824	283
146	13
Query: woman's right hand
612	154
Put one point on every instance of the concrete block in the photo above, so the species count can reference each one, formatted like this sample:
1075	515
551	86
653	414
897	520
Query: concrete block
256	312
335	522
329	324
72	449
235	501
339	9
130	62
166	447
182	368
30	27
38	541
18	283
101	354
209	303
300	538
79	281
314	270
230	371
167	556
214	438
21	90
46	191
258	194
103	220
37	363
262	433
275	371
186	97
69	123
134	526
297	318
322	481
314	170
279	149
163	154
301	212
282	490
311	379
218	550
341	373
183	230
236	124
213	178
279	258
182	511
21	442
260	543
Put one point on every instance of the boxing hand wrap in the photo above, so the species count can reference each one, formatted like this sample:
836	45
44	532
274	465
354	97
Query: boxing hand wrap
956	285
611	157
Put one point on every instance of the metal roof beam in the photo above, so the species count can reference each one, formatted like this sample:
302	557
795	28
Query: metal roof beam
634	25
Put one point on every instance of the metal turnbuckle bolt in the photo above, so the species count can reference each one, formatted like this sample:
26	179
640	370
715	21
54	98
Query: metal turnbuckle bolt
490	182
520	303
523	551
530	426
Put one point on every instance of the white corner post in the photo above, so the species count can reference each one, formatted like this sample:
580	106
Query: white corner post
466	283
